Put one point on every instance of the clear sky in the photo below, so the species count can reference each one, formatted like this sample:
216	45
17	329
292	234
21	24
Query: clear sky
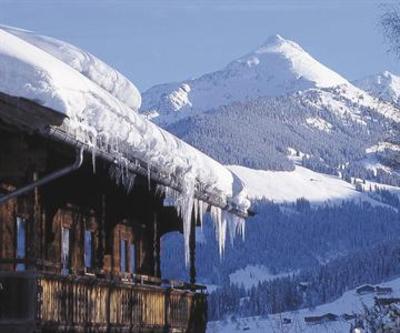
160	41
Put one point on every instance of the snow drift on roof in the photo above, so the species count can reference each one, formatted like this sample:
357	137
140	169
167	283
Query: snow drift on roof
86	64
97	117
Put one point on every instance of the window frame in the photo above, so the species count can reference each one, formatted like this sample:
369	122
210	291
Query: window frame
65	261
88	258
123	255
20	246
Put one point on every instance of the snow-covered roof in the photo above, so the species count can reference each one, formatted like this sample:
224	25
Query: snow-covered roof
100	107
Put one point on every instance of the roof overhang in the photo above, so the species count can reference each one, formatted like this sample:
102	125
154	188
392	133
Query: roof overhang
30	116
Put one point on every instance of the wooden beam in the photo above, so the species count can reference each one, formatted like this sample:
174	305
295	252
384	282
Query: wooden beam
156	246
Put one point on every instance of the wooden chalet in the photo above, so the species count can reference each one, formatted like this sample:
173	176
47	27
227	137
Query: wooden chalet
328	317
78	253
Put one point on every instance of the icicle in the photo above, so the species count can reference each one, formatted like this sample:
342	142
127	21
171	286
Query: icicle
241	227
220	228
94	159
222	235
196	209
160	190
171	198
129	181
185	203
232	227
236	226
122	176
202	210
113	171
148	176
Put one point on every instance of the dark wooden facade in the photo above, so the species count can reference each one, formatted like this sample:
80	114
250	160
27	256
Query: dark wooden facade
80	253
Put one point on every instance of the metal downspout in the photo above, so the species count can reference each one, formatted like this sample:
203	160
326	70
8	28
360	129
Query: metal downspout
46	179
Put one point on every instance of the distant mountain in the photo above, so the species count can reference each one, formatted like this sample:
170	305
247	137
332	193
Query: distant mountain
385	86
274	101
277	67
328	130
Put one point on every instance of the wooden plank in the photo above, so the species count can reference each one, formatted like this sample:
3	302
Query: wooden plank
27	114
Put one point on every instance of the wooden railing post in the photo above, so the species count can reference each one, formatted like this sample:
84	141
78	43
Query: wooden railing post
108	308
167	313
33	239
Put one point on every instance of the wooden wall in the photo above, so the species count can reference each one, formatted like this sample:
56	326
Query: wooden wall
82	200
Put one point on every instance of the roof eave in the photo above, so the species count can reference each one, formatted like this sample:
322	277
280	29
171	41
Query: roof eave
47	122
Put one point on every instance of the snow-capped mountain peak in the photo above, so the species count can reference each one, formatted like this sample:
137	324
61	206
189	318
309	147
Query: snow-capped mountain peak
385	86
289	67
277	67
278	43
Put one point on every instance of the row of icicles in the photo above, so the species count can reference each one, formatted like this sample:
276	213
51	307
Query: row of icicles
184	203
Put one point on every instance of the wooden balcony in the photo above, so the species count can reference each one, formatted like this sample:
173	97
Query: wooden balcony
46	302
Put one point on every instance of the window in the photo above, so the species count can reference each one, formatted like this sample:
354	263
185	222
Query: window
21	243
88	249
132	258
64	250
123	256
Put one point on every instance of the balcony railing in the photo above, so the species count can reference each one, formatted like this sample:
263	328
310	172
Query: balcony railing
91	304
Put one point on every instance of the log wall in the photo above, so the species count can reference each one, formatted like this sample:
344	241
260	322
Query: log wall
101	298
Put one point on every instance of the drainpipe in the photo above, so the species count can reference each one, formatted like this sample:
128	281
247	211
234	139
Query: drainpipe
46	179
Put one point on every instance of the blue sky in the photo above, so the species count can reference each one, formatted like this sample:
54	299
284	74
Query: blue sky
160	41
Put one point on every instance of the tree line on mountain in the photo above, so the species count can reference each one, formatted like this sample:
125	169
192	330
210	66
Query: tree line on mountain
309	288
259	133
288	238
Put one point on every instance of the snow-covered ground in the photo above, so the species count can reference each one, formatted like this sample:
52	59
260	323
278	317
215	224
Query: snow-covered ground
251	275
319	123
288	186
349	303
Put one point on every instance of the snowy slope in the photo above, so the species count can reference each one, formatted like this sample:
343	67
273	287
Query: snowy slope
288	186
279	67
385	86
349	303
251	275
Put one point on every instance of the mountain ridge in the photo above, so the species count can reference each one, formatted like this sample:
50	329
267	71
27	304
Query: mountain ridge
277	67
384	86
